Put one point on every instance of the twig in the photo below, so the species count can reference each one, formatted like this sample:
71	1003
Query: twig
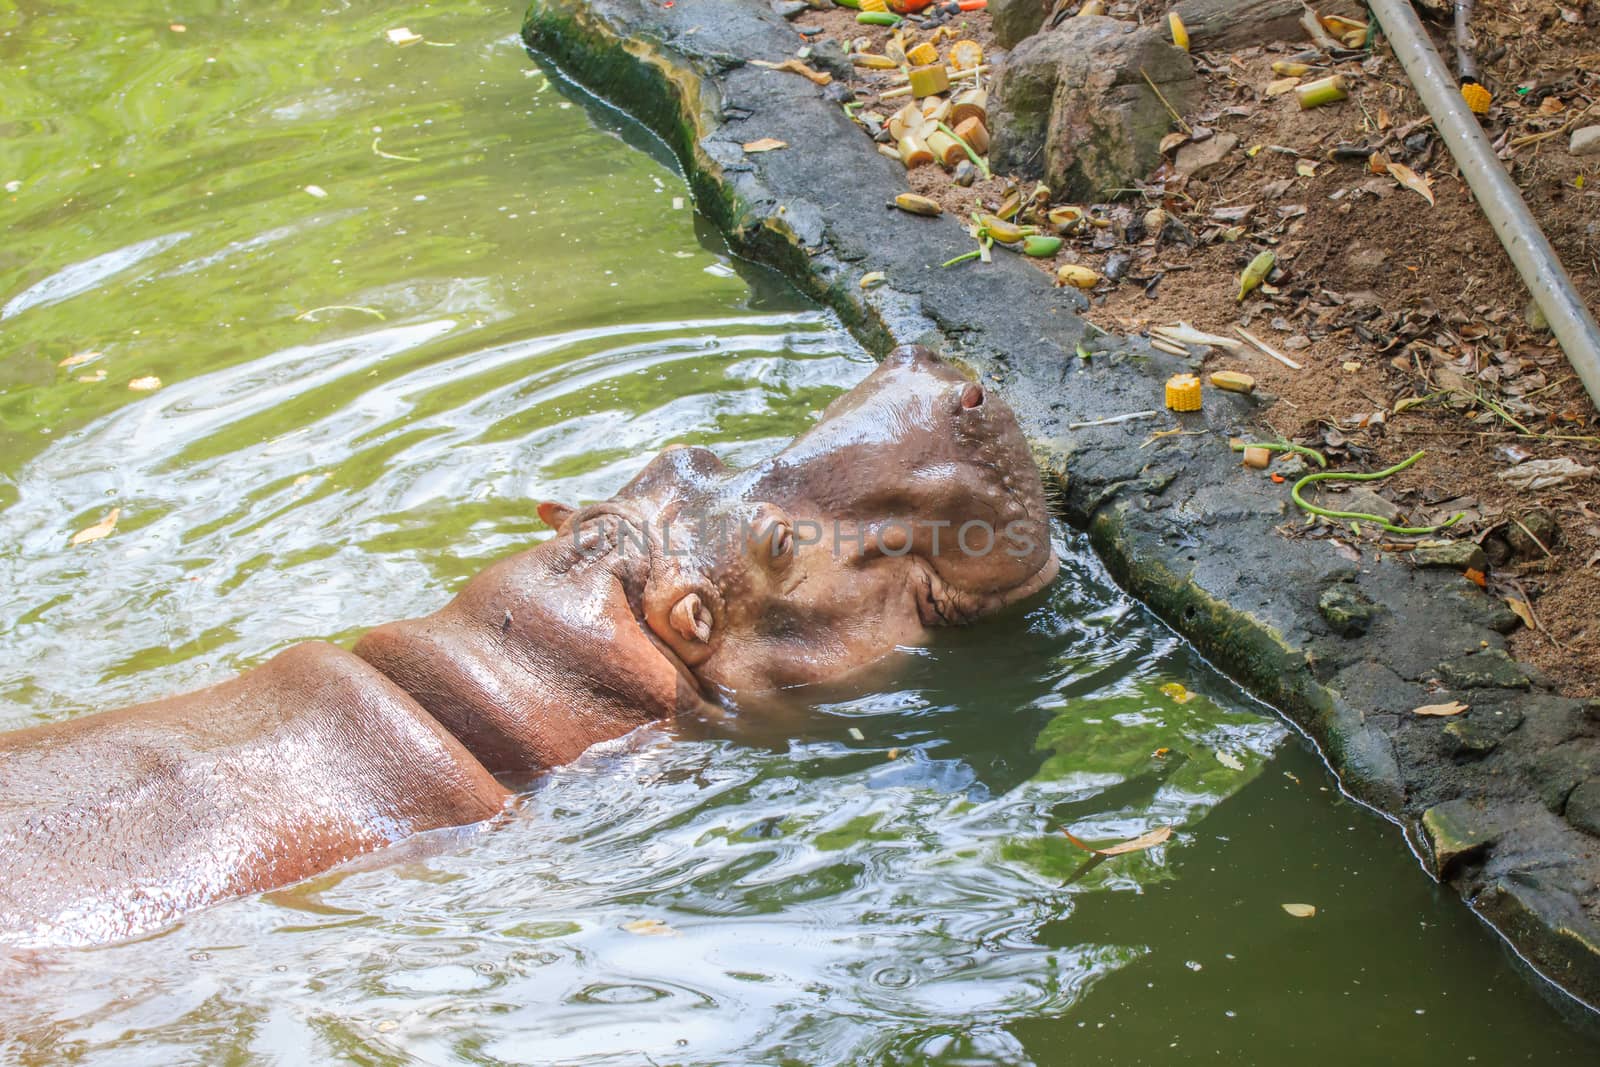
1264	347
1110	420
1170	109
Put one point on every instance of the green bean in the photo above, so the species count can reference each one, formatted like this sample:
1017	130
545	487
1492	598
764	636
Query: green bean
1376	520
1282	446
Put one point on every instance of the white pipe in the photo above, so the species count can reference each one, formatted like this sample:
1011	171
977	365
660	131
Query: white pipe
1496	194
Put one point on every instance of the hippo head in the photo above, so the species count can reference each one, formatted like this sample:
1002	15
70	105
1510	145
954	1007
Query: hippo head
913	504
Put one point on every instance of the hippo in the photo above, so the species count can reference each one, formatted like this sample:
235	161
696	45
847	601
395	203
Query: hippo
912	504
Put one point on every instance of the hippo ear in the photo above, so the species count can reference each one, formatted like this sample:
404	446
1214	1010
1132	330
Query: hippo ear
554	515
691	619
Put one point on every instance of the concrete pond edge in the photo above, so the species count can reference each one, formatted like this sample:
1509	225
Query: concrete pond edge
1344	642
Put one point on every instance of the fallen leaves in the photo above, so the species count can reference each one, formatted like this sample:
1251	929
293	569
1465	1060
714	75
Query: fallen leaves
1522	611
1546	474
1301	911
1455	707
1413	181
402	36
78	359
1229	760
764	144
1136	844
148	384
99	530
649	928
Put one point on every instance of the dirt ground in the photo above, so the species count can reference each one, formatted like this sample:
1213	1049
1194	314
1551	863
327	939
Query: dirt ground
1411	329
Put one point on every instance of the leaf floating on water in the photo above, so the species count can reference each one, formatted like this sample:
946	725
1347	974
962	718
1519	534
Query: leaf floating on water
148	384
100	529
1412	180
390	155
1177	693
1455	707
1137	844
1229	760
79	359
402	36
872	278
765	144
649	928
97	376
308	316
1300	911
317	191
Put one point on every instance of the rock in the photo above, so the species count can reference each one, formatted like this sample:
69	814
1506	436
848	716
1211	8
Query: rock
1476	734
1557	773
1346	611
790	9
1200	159
1583	807
829	56
1541	524
1071	105
1585	141
1489	669
1457	830
1359	499
1457	555
837	92
1012	21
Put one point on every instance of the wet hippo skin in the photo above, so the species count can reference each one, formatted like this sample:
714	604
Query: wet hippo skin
696	585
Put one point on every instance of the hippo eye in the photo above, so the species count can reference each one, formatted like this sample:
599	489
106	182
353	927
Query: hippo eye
781	541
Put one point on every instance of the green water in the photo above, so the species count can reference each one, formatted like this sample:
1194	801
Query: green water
526	306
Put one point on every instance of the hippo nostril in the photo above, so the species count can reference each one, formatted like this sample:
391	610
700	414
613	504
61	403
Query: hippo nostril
972	396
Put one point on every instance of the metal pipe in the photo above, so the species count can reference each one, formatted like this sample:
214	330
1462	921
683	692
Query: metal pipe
1497	195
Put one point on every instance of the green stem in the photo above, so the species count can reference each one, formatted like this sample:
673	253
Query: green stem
977	160
1376	520
1282	446
974	254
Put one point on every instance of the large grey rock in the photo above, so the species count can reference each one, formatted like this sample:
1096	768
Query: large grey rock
1585	141
1071	106
1583	807
1012	21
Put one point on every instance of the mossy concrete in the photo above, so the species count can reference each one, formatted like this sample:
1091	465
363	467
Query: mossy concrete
1180	524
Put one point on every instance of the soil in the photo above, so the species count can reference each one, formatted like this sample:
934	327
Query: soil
1411	328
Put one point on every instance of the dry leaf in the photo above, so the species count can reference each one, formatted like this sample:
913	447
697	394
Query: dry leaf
317	191
1171	141
1412	180
1306	168
1384	121
1177	692
97	376
1229	760
1280	86
79	359
100	529
649	928
1522	611
402	36
1455	707
872	278
149	383
1137	844
1300	911
765	144
1546	473
1476	577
